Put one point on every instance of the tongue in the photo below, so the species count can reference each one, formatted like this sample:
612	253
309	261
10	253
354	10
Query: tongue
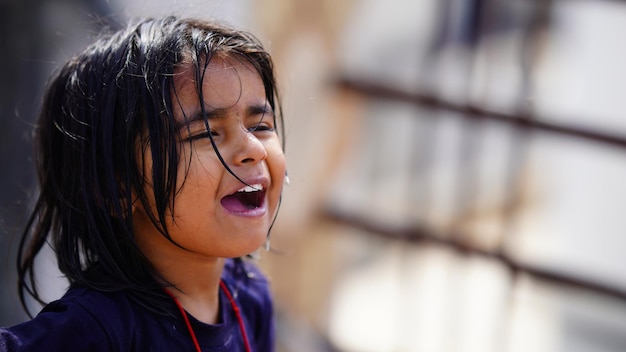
240	201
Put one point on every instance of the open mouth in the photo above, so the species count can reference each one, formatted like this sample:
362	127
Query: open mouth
248	198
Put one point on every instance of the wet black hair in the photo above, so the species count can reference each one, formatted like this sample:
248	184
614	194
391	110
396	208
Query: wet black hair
102	107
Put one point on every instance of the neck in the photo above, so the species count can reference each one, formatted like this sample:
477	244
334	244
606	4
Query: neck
197	289
194	279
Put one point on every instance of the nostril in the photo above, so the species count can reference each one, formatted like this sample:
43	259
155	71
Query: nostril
251	150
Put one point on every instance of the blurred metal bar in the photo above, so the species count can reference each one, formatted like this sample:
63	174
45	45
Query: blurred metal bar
470	111
420	235
454	241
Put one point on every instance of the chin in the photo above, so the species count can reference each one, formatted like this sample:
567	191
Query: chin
252	244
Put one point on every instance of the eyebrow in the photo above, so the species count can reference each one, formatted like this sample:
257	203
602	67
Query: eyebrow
221	113
259	109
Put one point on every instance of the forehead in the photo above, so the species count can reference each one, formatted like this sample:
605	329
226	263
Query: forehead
225	82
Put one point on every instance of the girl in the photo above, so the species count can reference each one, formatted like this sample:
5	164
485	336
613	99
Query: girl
158	160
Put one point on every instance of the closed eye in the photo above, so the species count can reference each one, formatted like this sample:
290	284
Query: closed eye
202	135
261	127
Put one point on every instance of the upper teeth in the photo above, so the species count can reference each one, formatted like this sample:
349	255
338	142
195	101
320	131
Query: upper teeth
251	188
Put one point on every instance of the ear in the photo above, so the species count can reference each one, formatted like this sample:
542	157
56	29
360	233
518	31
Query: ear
125	202
133	201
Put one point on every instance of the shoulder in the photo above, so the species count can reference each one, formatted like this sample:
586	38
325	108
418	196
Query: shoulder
249	283
251	290
83	319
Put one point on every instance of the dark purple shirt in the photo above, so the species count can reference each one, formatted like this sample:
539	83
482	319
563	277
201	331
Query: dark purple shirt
88	320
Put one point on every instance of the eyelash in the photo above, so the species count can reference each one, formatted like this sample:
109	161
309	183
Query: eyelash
261	128
255	128
200	136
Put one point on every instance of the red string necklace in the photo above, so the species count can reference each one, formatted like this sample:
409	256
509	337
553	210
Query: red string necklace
233	304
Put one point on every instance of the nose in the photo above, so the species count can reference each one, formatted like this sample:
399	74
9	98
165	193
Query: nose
250	150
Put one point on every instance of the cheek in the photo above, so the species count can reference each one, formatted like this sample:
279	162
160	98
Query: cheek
197	184
277	164
201	170
278	172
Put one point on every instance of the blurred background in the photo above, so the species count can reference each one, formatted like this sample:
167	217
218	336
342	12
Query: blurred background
458	167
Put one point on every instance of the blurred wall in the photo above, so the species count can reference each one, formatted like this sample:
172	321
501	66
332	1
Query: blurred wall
35	34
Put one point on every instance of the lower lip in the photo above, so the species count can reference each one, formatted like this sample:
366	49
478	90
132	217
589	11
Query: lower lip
250	213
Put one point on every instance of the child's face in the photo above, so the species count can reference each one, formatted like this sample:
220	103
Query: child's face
214	214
